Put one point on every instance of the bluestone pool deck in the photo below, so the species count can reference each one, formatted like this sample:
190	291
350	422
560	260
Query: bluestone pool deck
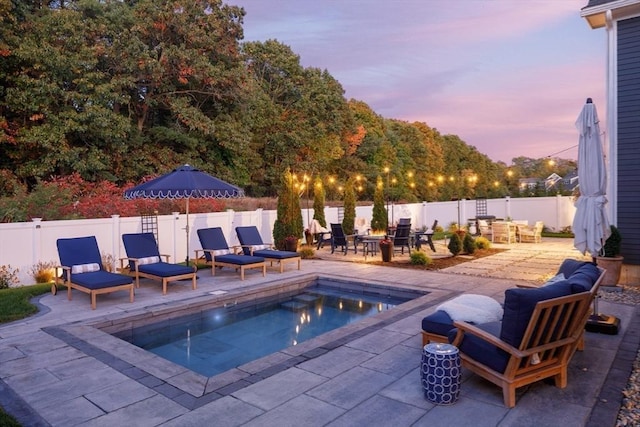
63	368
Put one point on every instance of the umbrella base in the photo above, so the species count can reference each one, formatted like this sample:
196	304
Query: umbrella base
603	324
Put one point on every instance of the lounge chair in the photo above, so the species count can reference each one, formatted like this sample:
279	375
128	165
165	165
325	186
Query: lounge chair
146	261
217	253
82	269
252	244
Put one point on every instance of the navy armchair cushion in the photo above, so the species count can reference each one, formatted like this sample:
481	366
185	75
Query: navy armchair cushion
569	266
583	278
519	304
439	323
480	350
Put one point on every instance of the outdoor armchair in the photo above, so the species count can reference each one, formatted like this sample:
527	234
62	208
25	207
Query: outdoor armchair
82	269
252	244
338	238
401	237
146	261
531	233
217	253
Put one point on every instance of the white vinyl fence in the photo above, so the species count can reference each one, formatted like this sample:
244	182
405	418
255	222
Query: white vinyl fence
24	244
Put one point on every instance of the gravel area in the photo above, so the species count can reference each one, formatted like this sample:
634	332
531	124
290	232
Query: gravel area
629	414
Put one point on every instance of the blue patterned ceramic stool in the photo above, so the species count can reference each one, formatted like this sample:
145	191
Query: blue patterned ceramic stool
440	372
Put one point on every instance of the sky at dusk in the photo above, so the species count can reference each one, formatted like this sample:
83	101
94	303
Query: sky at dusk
509	77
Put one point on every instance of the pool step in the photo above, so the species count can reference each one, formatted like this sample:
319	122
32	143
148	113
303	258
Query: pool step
300	302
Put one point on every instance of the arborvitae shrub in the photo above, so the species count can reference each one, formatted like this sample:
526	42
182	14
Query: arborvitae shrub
468	244
455	244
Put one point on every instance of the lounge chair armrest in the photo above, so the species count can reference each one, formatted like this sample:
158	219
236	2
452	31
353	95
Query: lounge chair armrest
236	249
464	327
166	257
250	247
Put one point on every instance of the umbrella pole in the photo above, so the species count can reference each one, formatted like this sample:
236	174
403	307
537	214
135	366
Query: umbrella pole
187	229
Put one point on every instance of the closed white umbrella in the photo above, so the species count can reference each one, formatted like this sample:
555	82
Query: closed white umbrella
590	223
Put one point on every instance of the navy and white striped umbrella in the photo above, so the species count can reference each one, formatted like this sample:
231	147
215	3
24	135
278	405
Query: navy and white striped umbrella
185	182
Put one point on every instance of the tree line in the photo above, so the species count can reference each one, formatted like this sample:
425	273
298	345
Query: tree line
120	90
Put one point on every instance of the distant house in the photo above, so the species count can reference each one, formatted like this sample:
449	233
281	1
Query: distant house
551	181
570	181
621	20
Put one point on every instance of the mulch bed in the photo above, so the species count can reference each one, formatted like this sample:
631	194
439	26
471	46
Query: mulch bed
440	263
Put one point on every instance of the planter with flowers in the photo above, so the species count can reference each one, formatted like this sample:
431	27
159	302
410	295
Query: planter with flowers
291	243
386	249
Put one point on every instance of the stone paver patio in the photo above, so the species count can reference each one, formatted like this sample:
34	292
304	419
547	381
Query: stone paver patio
62	367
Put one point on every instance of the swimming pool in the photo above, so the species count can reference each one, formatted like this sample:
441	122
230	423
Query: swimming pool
213	341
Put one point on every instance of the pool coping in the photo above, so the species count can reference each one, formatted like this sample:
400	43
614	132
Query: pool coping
192	390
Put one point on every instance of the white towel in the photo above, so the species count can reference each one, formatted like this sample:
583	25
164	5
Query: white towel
473	308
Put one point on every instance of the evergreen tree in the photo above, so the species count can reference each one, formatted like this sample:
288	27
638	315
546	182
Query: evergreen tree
349	219
455	244
318	202
468	243
289	215
379	220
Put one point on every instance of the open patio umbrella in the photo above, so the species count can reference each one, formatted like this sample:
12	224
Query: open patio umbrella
590	223
185	182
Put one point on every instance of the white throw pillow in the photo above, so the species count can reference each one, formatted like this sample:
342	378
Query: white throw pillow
148	260
85	268
219	252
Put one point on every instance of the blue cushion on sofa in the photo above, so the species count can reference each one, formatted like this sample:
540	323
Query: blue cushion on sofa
583	278
519	304
569	266
480	350
439	323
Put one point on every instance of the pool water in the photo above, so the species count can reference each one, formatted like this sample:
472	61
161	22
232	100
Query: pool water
216	340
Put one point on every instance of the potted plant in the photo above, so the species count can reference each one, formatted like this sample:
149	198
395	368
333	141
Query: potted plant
291	243
611	259
386	248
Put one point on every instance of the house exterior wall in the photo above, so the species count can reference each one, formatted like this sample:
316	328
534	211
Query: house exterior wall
628	137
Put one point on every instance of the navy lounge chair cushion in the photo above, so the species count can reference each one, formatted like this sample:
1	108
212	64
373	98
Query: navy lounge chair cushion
79	251
439	323
100	279
164	269
519	304
480	350
239	259
274	254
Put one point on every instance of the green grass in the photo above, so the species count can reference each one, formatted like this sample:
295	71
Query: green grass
7	420
15	305
14	302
